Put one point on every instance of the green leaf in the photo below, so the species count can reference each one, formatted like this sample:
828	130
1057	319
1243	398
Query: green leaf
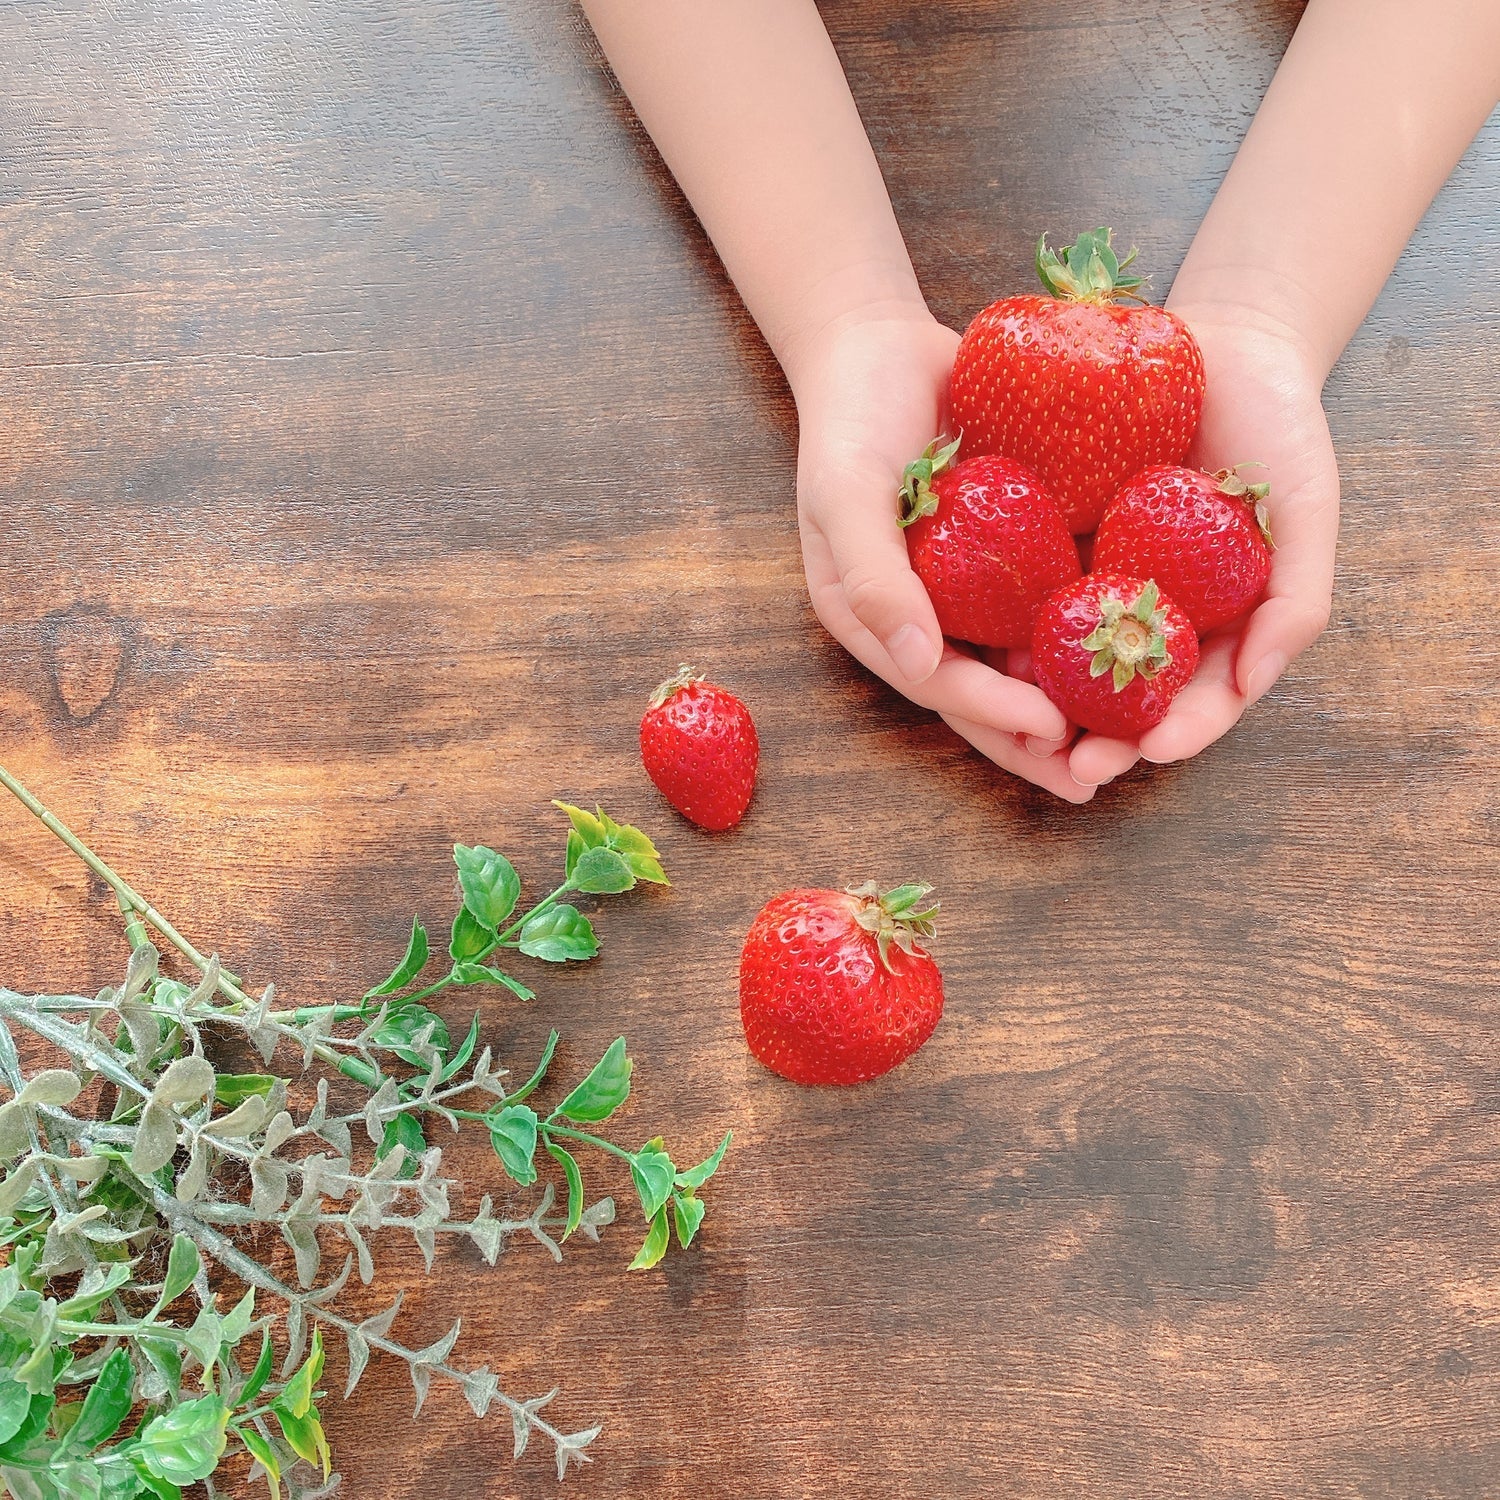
602	871
184	1444
231	1089
469	937
15	1403
81	1306
412	964
513	1135
589	830
402	1026
236	1322
565	1160
107	1404
183	1264
605	1089
464	1053
164	1357
538	1073
651	1170
259	1448
305	1434
695	1177
638	851
489	882
688	1213
297	1396
470	973
658	1237
576	846
557	934
163	1489
259	1375
403	1130
32	1423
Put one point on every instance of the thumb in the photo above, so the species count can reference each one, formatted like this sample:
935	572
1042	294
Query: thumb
879	586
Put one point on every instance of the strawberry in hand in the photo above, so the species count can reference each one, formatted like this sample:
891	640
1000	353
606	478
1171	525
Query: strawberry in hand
1081	390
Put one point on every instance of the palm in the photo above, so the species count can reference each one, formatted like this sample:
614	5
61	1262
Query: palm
868	401
1262	405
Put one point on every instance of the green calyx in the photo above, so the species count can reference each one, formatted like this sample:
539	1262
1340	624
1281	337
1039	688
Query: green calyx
1088	270
915	498
683	677
898	916
1129	639
1235	485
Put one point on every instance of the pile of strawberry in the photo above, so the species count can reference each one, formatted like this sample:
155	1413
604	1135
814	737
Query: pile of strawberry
1075	415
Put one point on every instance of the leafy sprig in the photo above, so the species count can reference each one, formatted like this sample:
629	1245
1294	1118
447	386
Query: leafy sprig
167	1393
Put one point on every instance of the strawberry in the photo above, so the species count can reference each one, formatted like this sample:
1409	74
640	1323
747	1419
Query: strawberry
1203	537
698	744
987	541
833	987
1112	652
1082	391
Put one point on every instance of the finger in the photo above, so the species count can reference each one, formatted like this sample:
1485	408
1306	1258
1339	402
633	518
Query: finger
882	592
1208	707
1018	664
1097	758
1300	593
961	685
1050	774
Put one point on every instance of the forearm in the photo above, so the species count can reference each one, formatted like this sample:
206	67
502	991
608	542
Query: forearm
748	105
1371	107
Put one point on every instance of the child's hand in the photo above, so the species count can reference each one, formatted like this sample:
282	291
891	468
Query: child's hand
1263	403
871	394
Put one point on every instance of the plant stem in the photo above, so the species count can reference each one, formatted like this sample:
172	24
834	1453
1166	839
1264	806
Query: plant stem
548	1128
129	900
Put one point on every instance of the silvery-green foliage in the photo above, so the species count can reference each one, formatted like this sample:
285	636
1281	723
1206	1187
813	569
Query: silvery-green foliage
116	1196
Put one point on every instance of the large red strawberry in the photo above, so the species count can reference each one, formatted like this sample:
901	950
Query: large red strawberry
1203	537
1083	391
987	541
698	744
1112	652
833	987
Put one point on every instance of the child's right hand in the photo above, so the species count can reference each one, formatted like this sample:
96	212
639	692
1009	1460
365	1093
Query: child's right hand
871	393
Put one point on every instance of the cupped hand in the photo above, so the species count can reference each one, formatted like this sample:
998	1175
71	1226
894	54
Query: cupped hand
1263	403
871	394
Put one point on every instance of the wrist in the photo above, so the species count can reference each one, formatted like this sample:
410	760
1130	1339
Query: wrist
846	299
1253	300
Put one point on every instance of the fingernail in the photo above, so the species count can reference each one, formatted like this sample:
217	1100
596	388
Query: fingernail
1042	748
914	655
1264	676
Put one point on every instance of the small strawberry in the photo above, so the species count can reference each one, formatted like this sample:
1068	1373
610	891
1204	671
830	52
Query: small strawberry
1082	391
1112	652
987	541
1203	537
698	744
833	987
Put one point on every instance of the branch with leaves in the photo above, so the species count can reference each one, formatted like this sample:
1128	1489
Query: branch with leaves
114	1385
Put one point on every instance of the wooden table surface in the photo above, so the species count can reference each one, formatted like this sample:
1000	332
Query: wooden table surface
380	428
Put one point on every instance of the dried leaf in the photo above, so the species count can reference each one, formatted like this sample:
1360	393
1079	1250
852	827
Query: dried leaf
243	1120
186	1081
55	1086
359	1357
379	1325
570	1449
155	1139
302	1235
204	992
362	1250
269	1187
521	1414
296	1336
15	1133
194	1177
144	964
426	1240
480	1389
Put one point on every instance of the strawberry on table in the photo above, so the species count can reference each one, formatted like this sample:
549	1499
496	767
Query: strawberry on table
699	746
987	541
1112	652
1085	392
833	985
1203	537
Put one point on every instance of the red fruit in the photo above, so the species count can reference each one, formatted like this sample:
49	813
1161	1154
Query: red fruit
1113	652
1082	391
1203	537
698	744
833	987
988	543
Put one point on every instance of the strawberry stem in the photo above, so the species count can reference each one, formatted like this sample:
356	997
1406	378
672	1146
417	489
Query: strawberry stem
900	916
915	498
1129	638
1088	270
1237	487
683	677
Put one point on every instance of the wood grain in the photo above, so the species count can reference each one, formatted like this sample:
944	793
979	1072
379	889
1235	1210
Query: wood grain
380	428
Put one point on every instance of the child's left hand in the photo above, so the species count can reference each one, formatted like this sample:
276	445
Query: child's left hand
1263	404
